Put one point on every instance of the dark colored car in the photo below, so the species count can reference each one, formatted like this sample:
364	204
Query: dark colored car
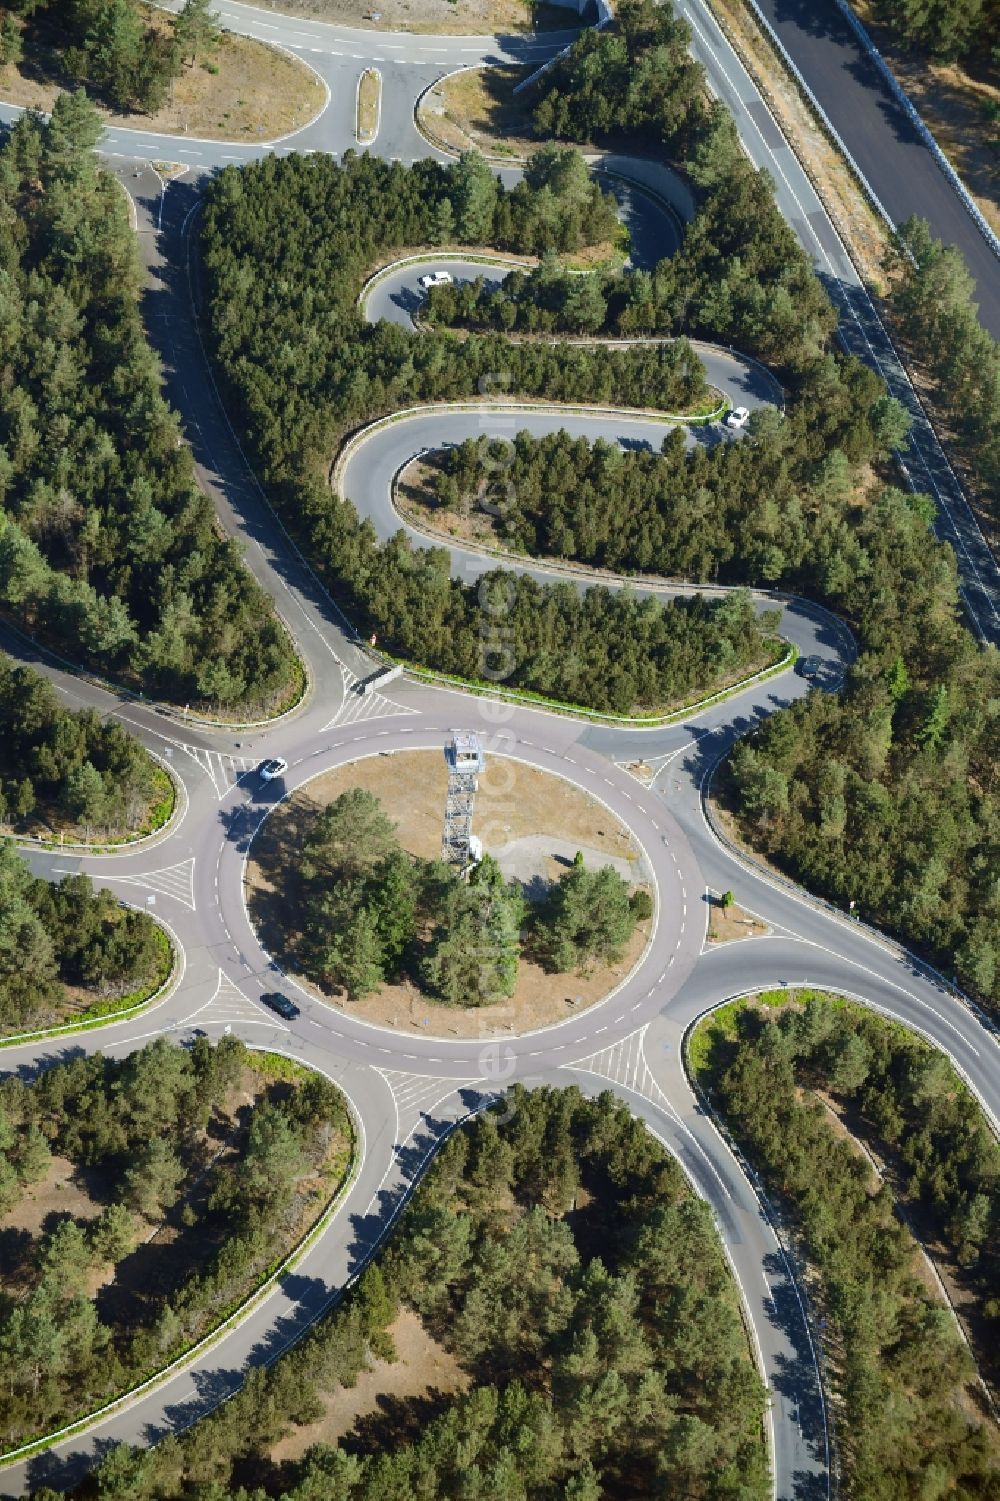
811	667
280	1003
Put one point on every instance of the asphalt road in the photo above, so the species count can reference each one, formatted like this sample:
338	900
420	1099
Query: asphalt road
398	297
407	1088
877	132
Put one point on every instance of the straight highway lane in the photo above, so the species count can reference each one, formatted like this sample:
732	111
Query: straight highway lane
861	330
879	135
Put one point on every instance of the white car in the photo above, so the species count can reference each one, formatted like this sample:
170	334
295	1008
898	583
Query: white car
436	279
274	766
738	417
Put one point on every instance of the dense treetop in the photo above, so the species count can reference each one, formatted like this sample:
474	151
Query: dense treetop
367	912
904	765
933	298
603	1342
194	1143
107	45
286	246
741	275
887	796
913	1409
105	540
55	936
69	768
906	761
947	28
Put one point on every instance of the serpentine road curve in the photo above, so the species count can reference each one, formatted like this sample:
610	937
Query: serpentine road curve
407	1090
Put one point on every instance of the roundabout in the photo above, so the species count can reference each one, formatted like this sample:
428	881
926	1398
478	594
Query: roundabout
532	824
407	1091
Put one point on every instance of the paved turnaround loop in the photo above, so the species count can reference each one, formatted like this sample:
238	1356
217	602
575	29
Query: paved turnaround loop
407	1090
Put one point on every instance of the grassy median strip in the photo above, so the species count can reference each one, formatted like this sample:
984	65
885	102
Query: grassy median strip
369	105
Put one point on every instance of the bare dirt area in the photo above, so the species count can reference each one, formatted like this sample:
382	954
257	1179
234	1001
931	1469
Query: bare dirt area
254	92
442	17
65	1190
858	224
478	108
960	104
728	924
423	1369
532	821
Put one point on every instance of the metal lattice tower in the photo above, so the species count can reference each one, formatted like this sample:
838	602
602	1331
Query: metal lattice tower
465	759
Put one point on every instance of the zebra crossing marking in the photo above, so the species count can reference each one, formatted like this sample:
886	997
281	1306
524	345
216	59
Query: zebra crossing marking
223	770
413	1094
355	707
624	1063
228	1004
173	880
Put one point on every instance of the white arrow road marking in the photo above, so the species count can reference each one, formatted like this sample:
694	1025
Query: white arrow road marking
174	880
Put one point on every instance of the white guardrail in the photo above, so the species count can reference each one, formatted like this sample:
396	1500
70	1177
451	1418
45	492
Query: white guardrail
819	111
913	115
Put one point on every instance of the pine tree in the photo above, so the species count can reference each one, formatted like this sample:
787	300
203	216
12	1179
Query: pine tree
196	30
11	44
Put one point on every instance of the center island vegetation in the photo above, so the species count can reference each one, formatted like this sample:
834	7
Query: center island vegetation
358	910
558	1255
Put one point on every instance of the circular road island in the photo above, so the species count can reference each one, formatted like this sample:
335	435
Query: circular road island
347	891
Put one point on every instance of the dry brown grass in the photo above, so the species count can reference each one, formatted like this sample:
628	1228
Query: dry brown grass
369	104
444	17
257	93
64	1190
477	107
514	802
423	1369
727	924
